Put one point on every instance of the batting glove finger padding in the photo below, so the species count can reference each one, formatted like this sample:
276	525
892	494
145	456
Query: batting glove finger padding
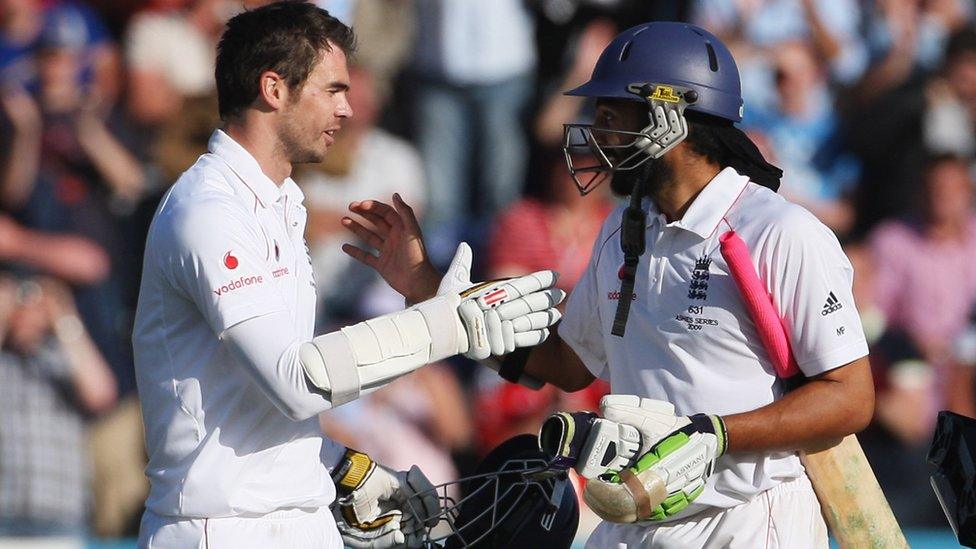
587	443
501	315
655	419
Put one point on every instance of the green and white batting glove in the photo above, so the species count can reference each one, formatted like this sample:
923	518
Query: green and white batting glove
372	511
665	479
594	445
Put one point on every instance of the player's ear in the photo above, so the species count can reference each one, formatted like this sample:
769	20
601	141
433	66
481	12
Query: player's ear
272	90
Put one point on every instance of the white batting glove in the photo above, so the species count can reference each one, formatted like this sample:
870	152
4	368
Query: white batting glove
654	419
372	509
383	533
594	446
500	316
678	456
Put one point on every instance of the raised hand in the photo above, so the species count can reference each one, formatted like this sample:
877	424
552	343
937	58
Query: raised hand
398	253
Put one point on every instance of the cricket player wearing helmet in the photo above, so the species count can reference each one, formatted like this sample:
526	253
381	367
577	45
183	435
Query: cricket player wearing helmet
698	445
230	375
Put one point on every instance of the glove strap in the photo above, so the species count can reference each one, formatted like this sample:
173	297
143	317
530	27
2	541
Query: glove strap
354	468
563	435
707	423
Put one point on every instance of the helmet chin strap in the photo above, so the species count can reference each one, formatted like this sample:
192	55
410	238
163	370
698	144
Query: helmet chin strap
633	244
668	127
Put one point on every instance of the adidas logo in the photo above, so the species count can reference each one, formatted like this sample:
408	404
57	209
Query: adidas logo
831	305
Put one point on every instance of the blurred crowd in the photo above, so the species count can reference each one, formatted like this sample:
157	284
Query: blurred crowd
869	106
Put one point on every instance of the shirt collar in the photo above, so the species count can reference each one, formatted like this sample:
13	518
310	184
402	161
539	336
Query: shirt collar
246	167
712	203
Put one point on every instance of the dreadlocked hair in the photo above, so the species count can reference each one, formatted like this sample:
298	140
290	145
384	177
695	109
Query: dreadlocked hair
722	143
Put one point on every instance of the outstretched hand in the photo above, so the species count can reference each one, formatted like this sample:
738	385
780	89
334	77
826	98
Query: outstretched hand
397	247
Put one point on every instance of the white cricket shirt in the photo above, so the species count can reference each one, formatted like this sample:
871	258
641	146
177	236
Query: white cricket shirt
226	245
689	338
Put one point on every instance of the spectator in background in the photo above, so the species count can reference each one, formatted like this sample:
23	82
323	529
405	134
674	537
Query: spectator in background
473	73
925	276
51	378
559	108
87	184
170	49
754	27
365	161
22	24
554	230
804	136
904	37
893	134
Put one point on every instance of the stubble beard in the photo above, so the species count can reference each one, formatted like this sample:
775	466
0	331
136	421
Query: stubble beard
294	145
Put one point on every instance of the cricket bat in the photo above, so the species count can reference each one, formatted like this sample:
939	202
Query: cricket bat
851	500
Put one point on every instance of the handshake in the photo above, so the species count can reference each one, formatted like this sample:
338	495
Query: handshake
644	462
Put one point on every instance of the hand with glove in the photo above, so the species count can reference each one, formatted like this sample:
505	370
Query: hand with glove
502	315
595	445
669	475
675	455
371	508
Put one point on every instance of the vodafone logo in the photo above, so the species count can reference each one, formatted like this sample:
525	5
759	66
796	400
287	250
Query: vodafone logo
230	261
241	282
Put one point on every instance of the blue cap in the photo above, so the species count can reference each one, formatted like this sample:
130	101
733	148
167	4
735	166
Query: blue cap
669	53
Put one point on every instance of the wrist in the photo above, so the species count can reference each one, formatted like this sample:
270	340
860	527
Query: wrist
427	281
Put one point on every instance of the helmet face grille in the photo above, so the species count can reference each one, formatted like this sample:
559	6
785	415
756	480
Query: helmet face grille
519	487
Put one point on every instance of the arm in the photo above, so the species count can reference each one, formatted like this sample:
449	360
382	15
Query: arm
555	362
831	405
73	259
114	162
91	378
23	158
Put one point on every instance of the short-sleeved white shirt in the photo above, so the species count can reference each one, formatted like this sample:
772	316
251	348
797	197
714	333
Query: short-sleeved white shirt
226	245
689	339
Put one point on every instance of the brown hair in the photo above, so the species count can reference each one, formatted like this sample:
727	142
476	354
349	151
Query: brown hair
286	37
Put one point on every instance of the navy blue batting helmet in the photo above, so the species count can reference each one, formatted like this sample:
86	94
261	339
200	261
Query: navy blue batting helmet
671	67
516	498
676	54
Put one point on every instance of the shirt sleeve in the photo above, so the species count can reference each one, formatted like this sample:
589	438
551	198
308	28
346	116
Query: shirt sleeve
216	255
811	282
582	325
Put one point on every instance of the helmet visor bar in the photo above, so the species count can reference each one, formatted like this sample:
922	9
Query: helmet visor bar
594	154
510	485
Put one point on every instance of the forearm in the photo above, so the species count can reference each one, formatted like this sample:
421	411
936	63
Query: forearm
555	362
270	355
73	259
20	171
93	382
120	168
827	407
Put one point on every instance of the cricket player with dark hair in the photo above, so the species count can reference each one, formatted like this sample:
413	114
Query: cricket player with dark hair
230	375
695	398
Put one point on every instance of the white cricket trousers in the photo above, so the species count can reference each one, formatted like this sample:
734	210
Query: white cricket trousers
784	517
292	528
